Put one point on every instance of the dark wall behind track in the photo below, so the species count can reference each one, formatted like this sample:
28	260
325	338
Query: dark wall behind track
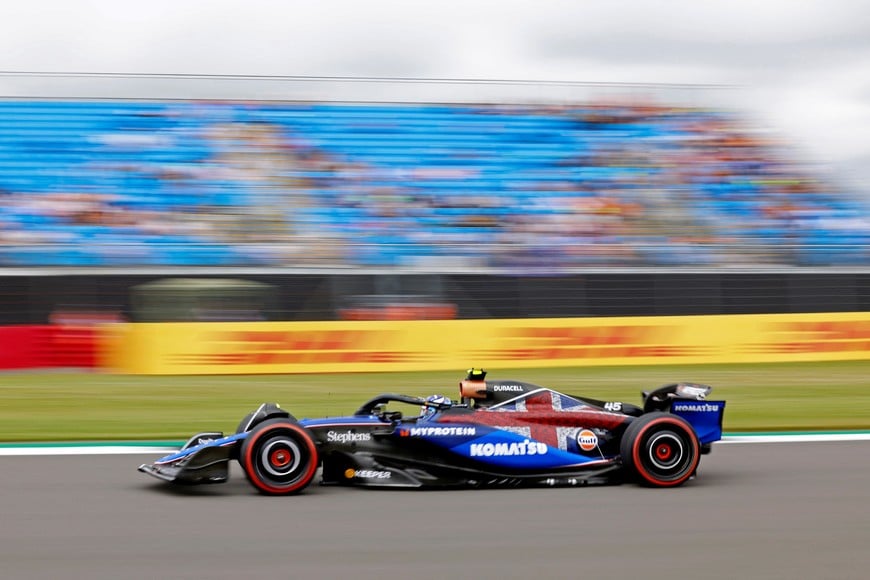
36	299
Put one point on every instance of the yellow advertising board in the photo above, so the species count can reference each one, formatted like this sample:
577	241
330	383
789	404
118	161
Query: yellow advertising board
361	346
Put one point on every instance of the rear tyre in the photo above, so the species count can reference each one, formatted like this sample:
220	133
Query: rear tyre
660	450
279	457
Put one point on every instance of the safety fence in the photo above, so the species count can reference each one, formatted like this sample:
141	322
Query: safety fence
43	296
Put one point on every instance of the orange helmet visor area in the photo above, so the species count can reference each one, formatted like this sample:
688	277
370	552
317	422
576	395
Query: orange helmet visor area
472	389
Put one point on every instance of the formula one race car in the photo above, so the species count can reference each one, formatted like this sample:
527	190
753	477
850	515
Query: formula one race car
502	433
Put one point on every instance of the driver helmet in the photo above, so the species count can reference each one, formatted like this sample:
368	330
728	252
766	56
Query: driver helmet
433	404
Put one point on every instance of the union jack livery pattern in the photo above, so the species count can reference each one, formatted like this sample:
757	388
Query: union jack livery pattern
546	416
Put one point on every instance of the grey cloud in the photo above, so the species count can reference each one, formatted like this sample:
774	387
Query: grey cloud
734	59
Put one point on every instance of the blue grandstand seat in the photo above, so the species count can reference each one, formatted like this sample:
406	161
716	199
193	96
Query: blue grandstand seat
519	156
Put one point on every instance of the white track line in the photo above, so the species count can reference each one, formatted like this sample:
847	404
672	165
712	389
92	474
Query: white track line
84	450
109	449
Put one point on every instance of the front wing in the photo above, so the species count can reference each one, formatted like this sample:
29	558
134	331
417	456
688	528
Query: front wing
203	459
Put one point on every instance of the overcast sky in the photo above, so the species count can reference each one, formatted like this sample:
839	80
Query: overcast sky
802	66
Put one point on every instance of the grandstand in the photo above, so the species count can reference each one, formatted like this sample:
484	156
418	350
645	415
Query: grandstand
418	186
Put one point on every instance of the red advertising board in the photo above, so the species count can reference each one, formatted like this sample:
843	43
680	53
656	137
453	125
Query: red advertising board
45	346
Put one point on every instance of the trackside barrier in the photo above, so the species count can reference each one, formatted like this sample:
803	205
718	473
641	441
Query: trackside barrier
23	347
362	346
48	345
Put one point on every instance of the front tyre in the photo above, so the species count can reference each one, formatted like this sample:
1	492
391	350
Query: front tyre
279	457
660	449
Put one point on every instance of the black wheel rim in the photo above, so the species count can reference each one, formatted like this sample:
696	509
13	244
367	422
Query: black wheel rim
667	454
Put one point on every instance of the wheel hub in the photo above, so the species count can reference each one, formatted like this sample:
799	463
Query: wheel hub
664	452
280	458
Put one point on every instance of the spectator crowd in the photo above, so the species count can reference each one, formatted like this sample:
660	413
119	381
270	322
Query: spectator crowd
422	186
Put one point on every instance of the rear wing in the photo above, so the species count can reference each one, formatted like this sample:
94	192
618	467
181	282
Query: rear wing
705	417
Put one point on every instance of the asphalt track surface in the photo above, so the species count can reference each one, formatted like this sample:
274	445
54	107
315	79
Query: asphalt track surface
789	511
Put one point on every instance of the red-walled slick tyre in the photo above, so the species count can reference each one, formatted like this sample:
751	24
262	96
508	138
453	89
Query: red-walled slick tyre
660	449
279	457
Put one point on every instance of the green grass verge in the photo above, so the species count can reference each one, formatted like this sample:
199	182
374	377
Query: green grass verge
91	406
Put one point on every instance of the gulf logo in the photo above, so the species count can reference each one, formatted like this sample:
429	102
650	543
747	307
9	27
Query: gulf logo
587	440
